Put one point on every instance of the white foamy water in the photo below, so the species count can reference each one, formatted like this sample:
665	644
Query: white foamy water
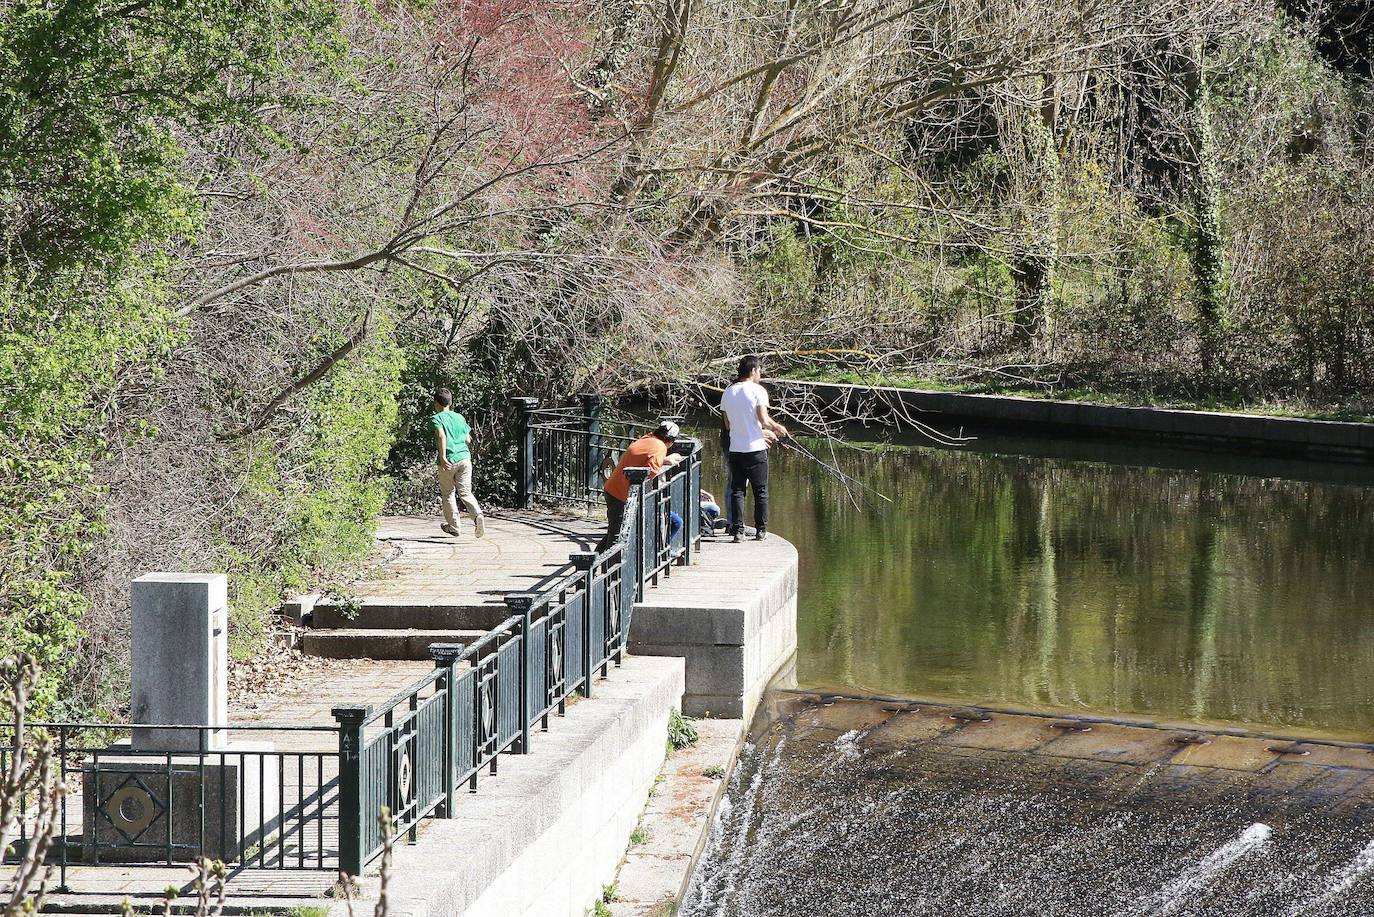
732	827
1341	880
848	744
1179	892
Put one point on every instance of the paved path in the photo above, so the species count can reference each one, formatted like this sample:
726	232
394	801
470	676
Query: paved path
518	553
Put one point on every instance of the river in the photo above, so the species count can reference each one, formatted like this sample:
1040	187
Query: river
1150	586
1087	578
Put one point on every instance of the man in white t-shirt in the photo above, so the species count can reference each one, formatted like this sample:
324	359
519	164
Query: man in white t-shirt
751	429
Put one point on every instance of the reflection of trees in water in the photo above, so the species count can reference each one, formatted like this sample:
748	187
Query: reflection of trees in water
1015	579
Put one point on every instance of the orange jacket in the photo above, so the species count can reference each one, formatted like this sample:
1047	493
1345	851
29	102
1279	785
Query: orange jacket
646	452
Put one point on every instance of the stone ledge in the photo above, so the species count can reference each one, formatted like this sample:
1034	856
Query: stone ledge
732	615
547	833
676	822
1263	432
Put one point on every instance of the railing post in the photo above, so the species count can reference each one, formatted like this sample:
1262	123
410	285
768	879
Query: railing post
634	515
352	843
691	500
524	480
584	562
591	418
520	604
446	656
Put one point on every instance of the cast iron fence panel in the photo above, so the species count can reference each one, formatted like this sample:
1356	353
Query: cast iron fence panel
484	698
248	804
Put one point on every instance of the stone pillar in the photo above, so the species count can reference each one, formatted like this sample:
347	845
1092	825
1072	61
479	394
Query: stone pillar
175	791
180	671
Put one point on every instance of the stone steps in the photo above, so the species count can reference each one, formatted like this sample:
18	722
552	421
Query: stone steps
386	615
381	643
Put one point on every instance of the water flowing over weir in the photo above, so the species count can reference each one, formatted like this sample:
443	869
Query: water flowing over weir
853	807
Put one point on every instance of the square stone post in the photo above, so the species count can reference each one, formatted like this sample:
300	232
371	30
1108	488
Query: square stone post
180	674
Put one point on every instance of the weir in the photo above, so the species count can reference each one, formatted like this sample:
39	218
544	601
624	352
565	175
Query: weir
850	806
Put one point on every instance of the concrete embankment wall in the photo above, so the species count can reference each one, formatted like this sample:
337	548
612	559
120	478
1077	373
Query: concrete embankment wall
1245	432
544	835
548	832
732	615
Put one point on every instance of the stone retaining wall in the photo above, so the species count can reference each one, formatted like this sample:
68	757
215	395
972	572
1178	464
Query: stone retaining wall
732	615
545	834
1251	432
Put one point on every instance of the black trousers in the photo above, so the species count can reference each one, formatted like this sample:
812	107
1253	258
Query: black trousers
615	515
751	469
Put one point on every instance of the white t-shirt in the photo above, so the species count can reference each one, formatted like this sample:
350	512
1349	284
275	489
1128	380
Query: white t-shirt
740	403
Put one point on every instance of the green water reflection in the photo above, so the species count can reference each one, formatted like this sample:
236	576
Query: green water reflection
1039	581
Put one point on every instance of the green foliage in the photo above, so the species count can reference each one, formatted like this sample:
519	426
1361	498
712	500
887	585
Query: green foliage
63	348
682	732
786	271
481	393
715	772
318	499
88	90
93	203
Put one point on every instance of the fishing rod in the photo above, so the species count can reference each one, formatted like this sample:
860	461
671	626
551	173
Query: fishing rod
842	477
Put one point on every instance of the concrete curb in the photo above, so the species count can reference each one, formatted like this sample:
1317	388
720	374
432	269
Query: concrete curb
548	832
1342	440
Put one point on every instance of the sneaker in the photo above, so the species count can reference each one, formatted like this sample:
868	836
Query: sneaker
479	525
675	553
449	530
737	537
760	534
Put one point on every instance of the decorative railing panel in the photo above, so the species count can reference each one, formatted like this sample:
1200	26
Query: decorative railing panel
247	803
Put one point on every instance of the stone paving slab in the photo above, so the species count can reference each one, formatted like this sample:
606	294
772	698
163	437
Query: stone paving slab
519	552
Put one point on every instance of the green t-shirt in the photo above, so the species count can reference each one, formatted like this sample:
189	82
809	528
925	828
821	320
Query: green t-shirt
456	431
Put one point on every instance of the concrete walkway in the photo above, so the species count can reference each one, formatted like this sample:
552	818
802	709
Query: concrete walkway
439	589
520	551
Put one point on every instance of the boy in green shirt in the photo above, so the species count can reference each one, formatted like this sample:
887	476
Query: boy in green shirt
454	461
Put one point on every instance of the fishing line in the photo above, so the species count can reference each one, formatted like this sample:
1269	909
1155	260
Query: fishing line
841	476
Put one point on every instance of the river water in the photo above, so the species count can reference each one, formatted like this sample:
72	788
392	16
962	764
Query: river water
1088	578
1150	586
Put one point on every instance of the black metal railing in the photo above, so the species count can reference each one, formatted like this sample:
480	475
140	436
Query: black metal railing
248	803
314	802
566	454
413	753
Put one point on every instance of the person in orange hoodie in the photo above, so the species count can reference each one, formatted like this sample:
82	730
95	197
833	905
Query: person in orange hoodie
649	451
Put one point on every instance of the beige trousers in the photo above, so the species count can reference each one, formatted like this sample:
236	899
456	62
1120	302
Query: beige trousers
457	482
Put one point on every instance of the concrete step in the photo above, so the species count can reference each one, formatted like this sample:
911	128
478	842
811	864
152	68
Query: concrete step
383	615
392	643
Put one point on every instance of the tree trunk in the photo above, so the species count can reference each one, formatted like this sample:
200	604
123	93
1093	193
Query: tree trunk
1208	255
1035	154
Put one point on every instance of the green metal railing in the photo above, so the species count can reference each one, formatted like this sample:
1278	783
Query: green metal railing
248	803
413	753
564	455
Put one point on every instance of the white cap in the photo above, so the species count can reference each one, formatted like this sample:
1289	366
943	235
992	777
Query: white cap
668	430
